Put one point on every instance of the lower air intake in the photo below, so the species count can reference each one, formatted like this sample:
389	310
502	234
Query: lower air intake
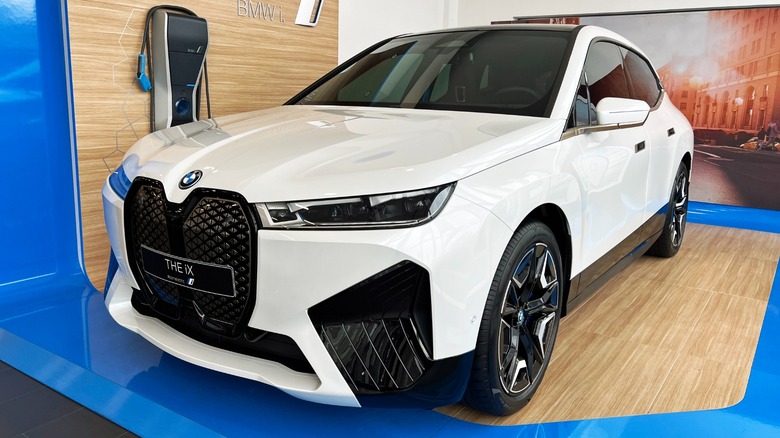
378	332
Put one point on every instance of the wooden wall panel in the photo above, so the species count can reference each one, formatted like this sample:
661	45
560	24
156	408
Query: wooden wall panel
253	63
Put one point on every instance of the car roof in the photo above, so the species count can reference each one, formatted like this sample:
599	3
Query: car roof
520	26
586	30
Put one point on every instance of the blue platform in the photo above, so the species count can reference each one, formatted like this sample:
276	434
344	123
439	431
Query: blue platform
54	327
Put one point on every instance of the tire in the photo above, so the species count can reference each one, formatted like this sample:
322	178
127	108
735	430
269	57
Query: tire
530	274
671	237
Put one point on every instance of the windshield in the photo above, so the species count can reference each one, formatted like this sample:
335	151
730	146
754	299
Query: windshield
498	71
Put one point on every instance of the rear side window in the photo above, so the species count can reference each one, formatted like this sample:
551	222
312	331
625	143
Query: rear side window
643	82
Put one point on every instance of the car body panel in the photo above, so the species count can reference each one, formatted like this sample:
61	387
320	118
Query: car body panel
616	186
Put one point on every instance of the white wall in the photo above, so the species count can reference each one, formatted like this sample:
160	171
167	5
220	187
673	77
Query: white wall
479	12
365	22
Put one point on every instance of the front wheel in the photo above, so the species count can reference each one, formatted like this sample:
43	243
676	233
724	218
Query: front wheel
671	237
520	323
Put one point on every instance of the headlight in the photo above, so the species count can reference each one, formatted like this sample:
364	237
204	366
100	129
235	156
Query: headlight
403	209
119	181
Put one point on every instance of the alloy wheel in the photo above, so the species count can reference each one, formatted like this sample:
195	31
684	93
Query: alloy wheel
680	209
528	315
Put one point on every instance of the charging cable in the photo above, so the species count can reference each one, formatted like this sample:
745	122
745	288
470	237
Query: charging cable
140	73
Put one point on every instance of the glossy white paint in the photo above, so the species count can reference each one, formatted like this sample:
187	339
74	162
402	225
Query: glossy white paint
113	214
505	167
555	175
666	152
305	152
457	283
458	286
333	390
616	183
614	111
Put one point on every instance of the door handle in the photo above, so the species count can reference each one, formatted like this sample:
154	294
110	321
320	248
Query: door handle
640	146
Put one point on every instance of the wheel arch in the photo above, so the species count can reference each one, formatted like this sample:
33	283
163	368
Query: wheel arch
555	218
686	159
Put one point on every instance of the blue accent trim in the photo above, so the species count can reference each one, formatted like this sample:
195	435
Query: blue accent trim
143	79
190	85
119	182
734	217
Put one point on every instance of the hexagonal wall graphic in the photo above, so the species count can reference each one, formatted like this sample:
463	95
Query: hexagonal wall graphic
134	110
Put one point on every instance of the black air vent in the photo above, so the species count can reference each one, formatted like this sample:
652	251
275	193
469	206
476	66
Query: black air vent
378	332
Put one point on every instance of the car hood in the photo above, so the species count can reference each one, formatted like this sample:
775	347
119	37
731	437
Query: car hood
312	152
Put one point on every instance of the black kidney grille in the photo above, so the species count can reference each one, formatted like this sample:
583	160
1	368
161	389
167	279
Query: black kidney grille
150	228
217	231
209	226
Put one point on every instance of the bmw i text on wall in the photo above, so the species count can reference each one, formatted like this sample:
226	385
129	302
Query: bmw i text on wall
410	228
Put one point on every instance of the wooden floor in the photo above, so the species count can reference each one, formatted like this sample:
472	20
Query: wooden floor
666	335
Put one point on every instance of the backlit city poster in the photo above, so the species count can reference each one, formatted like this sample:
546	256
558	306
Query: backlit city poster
721	69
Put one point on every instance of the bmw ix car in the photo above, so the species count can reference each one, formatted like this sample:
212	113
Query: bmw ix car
411	228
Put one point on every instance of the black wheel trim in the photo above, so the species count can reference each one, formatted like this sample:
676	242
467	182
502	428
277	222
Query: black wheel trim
525	333
680	209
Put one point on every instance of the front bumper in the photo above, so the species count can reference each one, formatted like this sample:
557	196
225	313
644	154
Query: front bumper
299	269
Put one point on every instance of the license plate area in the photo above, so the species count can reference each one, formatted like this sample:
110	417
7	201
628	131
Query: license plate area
192	274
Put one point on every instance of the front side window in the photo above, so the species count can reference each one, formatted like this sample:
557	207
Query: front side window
613	71
604	72
583	112
499	71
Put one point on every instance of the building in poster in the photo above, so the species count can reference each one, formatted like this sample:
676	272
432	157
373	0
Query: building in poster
681	84
734	91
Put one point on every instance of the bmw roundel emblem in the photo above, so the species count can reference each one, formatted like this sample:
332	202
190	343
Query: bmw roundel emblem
190	179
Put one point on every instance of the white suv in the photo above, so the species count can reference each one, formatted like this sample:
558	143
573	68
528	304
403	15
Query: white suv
409	229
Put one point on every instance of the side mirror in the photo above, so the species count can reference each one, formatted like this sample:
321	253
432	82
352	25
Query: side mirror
618	111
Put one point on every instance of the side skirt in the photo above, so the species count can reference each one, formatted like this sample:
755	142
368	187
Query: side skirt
584	284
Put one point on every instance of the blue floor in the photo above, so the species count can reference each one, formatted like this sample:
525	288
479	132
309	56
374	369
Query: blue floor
63	336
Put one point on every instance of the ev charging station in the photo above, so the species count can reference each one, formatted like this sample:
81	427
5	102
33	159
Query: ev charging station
176	51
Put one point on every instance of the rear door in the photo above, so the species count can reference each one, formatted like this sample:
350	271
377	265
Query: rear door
644	85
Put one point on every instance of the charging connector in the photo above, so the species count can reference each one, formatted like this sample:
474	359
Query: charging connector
140	74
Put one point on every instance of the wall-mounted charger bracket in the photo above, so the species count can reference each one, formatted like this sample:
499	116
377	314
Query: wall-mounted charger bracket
175	41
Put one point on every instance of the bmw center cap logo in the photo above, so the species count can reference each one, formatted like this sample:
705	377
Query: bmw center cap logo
190	179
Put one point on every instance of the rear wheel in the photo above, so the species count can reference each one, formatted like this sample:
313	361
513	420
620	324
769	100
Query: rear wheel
671	237
519	325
